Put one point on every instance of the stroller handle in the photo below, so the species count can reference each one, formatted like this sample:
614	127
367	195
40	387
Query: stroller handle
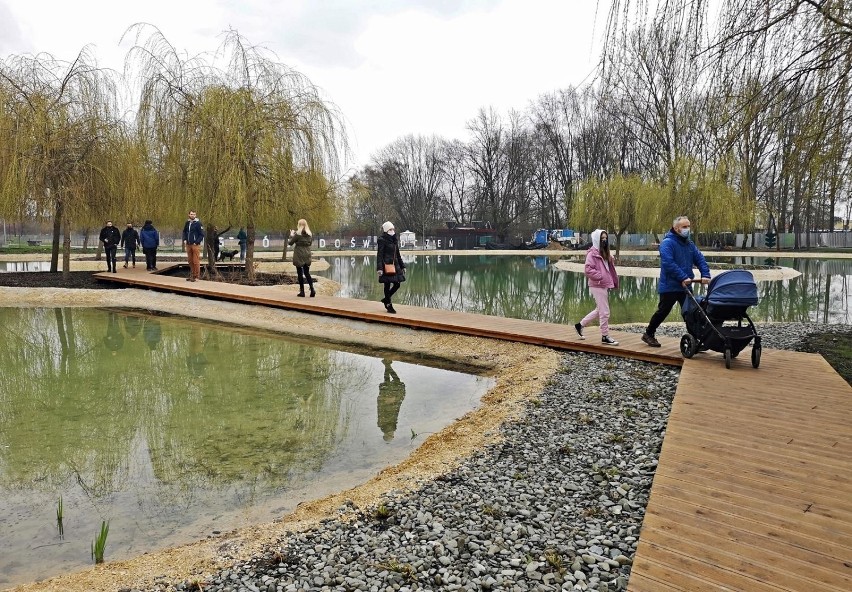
690	281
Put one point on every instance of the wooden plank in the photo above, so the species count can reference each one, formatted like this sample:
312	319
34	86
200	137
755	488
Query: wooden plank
753	480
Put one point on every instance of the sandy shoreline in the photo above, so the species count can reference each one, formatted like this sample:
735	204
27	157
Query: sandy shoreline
519	372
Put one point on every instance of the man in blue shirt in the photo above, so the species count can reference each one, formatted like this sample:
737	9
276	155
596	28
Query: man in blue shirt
678	255
193	235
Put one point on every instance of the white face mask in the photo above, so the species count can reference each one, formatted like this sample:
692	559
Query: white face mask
684	232
391	232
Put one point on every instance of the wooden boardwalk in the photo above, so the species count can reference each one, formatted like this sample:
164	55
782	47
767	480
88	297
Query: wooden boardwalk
753	490
552	335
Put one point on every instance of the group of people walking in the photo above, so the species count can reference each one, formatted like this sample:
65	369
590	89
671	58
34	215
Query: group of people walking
389	263
130	240
678	256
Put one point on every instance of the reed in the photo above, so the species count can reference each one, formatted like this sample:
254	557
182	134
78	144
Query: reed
99	544
59	515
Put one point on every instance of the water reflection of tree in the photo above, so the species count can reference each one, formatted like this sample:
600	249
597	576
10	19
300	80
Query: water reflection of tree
59	419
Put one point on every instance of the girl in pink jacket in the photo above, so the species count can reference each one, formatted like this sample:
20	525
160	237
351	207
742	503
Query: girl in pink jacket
600	271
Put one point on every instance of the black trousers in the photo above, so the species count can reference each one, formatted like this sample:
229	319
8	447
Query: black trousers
150	257
390	290
667	302
304	274
110	252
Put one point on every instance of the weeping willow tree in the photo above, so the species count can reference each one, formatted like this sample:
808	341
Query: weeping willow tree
55	118
252	140
706	195
618	204
769	63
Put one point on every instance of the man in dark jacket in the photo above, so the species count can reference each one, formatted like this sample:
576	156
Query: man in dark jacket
678	255
110	237
130	242
193	235
150	239
242	239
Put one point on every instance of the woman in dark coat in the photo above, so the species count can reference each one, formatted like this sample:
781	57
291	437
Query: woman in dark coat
302	238
389	264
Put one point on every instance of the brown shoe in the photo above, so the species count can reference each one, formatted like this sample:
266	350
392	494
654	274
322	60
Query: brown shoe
650	340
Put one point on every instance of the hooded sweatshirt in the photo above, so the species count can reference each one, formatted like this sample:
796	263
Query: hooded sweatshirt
600	273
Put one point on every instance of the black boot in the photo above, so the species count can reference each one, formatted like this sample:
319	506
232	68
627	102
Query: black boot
301	289
313	292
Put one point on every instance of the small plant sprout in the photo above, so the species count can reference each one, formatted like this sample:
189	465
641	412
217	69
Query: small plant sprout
554	560
615	438
413	434
382	513
99	544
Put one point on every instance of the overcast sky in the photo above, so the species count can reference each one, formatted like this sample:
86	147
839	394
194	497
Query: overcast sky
393	67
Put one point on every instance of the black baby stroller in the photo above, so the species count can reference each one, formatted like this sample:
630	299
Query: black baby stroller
728	296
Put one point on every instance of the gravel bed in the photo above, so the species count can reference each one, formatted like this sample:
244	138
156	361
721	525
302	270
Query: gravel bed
557	504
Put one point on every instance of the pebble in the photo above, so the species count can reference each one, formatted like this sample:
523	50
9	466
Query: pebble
556	504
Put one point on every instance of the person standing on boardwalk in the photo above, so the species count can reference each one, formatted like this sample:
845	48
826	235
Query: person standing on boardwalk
193	235
130	242
602	277
678	256
389	264
242	240
302	238
150	239
110	237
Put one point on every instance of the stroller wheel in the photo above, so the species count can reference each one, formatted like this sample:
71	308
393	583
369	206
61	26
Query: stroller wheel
728	358
755	356
688	346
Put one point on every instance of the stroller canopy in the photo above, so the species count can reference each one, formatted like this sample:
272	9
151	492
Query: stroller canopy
732	288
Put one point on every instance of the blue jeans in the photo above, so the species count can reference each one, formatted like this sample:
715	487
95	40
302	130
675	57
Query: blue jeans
129	253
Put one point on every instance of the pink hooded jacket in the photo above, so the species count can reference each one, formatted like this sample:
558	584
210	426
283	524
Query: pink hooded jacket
597	273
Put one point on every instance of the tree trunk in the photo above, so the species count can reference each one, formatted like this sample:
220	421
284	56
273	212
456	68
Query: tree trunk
57	230
250	274
209	248
66	247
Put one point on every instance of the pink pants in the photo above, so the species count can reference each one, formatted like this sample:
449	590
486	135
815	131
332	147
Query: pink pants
601	296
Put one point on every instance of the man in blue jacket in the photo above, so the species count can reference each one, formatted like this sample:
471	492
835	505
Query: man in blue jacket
193	235
678	255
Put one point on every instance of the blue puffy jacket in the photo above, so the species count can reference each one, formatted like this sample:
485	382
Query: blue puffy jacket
149	237
678	256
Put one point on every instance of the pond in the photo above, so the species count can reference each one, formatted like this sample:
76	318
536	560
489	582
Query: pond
9	266
529	287
172	429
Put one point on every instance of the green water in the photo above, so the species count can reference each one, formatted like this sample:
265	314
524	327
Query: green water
172	429
530	287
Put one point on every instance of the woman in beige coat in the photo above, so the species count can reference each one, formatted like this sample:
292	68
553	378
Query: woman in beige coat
302	238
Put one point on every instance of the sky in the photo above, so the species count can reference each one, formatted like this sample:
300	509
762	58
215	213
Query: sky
392	67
